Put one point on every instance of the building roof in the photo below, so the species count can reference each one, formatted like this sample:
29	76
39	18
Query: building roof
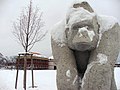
35	55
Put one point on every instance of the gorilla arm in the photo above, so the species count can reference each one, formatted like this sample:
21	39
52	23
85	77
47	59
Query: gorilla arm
66	67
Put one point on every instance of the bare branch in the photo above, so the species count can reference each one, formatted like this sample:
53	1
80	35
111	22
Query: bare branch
28	28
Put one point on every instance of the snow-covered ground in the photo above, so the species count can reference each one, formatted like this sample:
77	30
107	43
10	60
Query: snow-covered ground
44	79
117	77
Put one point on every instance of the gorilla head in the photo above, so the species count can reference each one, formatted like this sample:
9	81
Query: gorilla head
82	29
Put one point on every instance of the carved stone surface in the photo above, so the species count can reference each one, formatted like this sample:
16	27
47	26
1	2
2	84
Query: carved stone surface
85	47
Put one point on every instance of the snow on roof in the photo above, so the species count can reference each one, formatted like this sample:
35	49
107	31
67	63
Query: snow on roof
51	57
24	53
39	55
58	33
34	54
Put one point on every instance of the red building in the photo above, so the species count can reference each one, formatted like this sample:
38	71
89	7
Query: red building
39	62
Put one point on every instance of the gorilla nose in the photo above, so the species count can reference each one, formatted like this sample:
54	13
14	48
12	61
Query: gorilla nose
83	35
84	32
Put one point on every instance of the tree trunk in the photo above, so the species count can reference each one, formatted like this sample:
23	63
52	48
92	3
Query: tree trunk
25	71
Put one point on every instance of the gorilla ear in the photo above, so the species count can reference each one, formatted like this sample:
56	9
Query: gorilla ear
83	4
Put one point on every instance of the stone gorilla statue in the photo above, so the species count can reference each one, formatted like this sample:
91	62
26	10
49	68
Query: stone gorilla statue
85	47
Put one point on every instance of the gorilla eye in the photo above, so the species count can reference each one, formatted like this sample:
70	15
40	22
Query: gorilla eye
87	27
76	27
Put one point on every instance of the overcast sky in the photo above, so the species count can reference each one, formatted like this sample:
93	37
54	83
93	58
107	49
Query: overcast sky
53	12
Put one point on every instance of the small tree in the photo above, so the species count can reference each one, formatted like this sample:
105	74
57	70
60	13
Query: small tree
28	27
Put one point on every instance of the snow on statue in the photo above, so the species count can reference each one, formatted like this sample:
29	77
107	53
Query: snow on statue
85	47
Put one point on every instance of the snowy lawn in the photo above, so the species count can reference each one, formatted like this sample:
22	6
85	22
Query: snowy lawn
44	79
117	77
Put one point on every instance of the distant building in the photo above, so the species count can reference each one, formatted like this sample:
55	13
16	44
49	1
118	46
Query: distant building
40	62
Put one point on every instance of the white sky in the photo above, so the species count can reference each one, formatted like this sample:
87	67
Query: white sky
53	12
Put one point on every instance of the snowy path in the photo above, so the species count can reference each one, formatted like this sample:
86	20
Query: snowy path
44	79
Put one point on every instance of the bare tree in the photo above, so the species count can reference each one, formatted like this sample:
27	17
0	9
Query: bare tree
28	27
28	31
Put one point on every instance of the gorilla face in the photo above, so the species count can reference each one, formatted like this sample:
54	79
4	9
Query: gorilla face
82	32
